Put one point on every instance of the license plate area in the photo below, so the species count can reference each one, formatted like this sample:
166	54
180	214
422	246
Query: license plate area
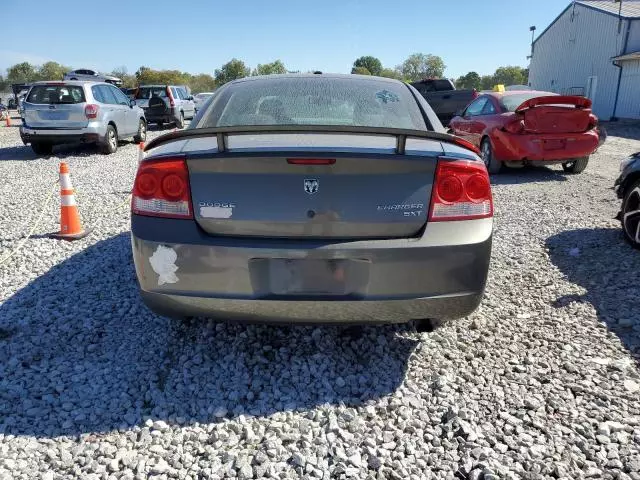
554	144
280	276
53	115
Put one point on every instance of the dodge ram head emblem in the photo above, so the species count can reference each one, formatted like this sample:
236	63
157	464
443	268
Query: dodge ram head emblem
311	185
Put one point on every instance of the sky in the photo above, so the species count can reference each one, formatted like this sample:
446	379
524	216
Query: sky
198	36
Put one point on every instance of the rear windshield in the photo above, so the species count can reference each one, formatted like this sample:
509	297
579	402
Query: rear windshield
56	94
315	101
511	102
148	92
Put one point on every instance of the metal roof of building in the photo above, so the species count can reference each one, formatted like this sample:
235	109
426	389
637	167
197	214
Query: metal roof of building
626	8
630	9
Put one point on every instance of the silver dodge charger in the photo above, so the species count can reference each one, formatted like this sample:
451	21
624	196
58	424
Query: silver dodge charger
313	198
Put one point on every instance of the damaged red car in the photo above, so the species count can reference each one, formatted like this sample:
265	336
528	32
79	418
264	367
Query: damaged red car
517	128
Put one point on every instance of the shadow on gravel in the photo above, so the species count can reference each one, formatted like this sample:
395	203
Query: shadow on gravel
528	174
600	261
80	353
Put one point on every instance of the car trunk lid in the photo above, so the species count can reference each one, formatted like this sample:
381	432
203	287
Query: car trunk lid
555	114
311	185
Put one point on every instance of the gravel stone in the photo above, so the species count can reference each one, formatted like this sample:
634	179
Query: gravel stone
540	382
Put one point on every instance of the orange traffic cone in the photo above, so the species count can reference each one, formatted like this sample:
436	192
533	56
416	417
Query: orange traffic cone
140	151
70	224
8	119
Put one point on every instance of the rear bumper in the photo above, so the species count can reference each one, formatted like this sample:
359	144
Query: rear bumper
515	147
154	117
439	276
313	311
62	136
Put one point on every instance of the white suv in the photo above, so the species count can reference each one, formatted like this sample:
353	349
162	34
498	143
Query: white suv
55	113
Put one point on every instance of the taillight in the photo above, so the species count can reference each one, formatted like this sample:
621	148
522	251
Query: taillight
516	126
172	103
461	191
593	121
161	189
91	110
474	94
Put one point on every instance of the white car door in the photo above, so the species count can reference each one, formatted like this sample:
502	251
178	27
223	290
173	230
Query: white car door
116	111
130	115
189	105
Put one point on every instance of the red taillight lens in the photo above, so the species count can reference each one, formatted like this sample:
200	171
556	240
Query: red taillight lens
462	191
91	110
147	184
172	103
478	187
173	186
517	126
475	94
593	121
161	189
450	188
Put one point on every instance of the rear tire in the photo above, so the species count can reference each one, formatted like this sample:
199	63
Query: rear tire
110	144
142	132
41	148
493	165
631	210
576	166
180	121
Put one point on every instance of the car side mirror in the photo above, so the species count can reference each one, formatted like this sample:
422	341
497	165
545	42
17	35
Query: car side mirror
190	97
132	103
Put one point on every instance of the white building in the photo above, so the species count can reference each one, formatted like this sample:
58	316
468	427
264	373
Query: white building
593	49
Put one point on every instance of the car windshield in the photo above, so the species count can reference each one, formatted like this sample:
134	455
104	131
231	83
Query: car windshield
56	94
202	96
511	102
316	101
148	92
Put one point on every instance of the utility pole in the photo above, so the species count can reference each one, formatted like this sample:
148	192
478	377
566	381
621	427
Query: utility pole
532	29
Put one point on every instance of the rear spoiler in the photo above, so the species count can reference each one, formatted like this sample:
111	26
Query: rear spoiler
221	134
578	102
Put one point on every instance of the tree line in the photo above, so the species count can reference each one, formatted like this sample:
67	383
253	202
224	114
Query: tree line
416	67
509	75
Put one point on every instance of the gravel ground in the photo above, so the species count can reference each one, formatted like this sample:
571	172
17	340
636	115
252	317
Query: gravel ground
541	382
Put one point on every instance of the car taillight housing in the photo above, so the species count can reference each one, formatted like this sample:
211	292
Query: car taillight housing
461	191
91	110
161	189
593	121
474	94
172	102
516	126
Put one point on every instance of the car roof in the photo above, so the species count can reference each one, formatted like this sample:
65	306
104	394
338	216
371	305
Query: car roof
70	82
